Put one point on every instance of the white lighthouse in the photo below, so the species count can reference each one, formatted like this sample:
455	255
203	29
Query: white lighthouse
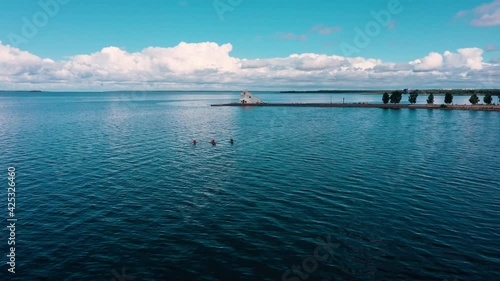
247	97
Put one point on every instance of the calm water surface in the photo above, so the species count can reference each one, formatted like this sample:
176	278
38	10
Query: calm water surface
110	187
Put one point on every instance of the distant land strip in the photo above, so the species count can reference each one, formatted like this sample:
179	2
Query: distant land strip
458	92
438	92
21	91
480	107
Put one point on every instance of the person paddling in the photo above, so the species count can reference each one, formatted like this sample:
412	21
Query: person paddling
194	142
213	142
231	141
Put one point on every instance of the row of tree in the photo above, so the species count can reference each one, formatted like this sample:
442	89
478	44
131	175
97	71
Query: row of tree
396	96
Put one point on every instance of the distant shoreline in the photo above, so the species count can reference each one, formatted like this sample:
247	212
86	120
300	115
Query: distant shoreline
368	105
436	92
337	92
20	91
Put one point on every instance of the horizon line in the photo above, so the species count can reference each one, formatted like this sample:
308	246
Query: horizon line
274	91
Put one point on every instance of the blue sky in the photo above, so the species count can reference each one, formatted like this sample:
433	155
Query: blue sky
256	29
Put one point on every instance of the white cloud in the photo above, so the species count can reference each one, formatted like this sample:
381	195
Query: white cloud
312	62
291	36
211	66
488	19
431	62
16	62
484	15
325	30
471	58
461	14
467	58
491	48
182	59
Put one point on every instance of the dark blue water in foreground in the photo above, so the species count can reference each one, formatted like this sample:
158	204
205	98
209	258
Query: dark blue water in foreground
109	187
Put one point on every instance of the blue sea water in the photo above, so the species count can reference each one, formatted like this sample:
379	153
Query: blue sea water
110	187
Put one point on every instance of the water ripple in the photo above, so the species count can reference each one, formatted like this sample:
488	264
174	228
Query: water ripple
106	184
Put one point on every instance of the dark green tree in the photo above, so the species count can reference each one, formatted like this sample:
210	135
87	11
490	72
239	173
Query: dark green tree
448	98
385	98
487	99
474	99
412	98
430	99
396	97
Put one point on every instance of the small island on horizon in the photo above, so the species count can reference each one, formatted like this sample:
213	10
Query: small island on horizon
21	91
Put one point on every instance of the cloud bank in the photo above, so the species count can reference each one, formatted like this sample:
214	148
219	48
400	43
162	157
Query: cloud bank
210	66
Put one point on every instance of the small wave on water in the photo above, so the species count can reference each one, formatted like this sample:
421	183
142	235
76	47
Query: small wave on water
114	189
